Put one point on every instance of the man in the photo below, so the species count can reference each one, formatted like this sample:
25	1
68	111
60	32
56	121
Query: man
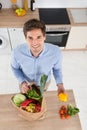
34	58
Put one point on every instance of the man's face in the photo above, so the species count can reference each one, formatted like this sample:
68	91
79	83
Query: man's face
35	40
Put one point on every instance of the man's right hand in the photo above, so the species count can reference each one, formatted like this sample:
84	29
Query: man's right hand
24	87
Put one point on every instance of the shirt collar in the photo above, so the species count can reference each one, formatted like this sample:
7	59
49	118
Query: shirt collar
30	54
42	51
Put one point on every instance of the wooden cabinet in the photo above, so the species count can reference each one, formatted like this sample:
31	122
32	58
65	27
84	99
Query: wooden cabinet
77	38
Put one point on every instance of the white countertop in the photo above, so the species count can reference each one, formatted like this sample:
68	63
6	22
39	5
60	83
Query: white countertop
79	15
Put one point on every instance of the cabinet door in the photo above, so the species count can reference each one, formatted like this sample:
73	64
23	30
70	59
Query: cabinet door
5	47
77	38
16	36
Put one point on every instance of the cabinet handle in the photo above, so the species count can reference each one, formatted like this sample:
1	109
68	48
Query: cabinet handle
60	34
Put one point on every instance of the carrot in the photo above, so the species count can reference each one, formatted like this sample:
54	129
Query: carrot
67	116
62	117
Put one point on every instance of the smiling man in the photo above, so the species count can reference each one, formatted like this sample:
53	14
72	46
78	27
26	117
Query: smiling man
35	57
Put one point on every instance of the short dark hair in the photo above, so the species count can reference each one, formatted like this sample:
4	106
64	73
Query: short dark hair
34	24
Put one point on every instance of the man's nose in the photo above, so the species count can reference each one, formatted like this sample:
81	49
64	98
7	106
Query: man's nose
34	41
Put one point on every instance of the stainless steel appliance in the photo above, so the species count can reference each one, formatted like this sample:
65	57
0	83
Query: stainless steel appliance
57	35
5	47
57	25
0	5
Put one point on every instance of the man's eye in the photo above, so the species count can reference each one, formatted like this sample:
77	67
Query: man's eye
39	37
30	38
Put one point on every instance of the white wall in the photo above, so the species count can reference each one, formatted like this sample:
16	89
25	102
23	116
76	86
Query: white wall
49	3
61	3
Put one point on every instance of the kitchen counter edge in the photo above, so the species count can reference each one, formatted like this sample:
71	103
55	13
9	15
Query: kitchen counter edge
8	18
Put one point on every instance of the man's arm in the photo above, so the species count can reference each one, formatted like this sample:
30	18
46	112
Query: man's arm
16	68
57	72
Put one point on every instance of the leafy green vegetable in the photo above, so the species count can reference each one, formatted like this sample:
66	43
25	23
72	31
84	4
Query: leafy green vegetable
37	92
33	94
18	98
72	110
43	82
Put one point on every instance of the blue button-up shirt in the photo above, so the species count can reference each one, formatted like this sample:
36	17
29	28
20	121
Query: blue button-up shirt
26	67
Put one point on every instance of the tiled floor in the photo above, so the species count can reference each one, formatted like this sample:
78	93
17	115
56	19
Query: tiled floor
74	77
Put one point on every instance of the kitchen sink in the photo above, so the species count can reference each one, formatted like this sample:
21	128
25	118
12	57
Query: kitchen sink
79	15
